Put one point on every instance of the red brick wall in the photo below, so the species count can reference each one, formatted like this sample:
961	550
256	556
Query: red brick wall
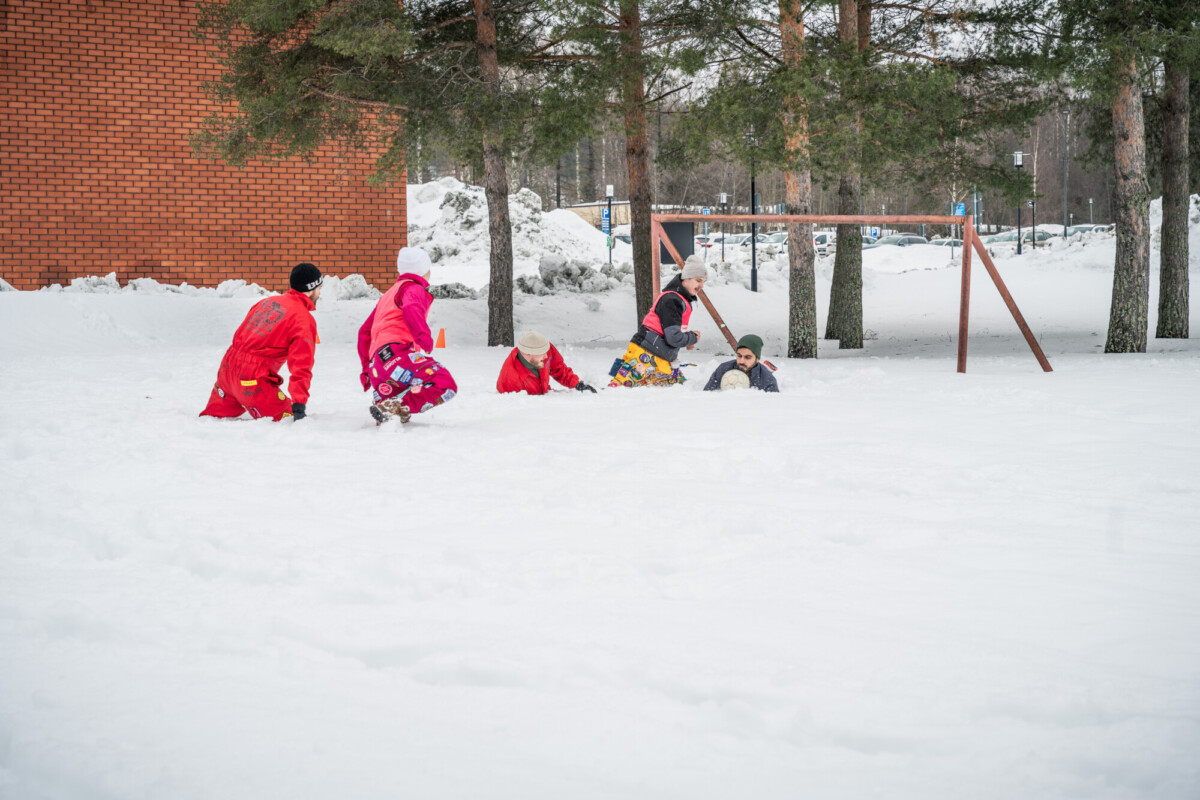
97	98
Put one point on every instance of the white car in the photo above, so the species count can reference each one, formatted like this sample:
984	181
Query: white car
824	242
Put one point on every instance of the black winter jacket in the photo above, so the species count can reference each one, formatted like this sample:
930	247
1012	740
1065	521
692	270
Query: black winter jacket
670	313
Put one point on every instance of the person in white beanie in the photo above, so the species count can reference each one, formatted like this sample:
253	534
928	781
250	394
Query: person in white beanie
532	363
663	333
390	342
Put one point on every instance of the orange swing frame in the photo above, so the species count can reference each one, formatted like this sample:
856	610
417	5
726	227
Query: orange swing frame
970	242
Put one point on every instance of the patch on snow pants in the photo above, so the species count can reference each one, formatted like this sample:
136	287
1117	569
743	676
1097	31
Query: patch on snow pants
415	379
639	367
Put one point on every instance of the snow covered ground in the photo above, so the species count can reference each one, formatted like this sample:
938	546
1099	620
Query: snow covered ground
889	580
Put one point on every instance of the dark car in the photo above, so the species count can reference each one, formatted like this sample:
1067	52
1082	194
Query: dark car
898	240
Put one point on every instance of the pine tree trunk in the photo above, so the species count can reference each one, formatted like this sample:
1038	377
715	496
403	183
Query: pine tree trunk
1173	281
802	284
637	156
1128	322
845	321
495	183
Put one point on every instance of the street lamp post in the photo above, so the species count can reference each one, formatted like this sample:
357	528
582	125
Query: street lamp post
1066	162
1018	163
1033	214
1090	220
724	210
608	190
752	143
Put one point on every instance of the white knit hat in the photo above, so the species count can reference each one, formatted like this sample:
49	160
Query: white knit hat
694	268
414	260
533	343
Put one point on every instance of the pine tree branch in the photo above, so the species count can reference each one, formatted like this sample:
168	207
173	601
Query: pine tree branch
571	33
756	47
540	59
941	62
353	101
668	94
444	24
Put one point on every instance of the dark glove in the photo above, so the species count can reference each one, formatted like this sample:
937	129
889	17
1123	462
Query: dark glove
365	379
583	387
298	410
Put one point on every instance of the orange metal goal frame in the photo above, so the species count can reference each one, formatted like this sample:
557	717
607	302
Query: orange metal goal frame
970	242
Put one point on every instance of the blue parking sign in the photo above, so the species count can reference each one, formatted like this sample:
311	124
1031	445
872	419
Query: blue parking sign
605	221
960	209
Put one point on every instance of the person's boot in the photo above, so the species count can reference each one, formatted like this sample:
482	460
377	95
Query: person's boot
390	409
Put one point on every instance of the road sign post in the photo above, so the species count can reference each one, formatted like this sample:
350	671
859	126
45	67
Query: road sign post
606	221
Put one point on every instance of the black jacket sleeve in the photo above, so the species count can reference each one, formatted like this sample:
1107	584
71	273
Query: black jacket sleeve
670	314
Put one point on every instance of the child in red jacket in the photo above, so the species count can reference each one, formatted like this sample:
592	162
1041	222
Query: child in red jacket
275	330
532	363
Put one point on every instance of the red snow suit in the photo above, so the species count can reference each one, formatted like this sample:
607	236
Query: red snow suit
276	329
516	377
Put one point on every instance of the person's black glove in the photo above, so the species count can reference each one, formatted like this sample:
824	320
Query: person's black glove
583	387
298	410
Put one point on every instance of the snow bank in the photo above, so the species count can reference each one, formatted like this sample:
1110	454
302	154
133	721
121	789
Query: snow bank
449	219
109	284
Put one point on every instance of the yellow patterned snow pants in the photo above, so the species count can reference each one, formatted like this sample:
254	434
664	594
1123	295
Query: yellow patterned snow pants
640	367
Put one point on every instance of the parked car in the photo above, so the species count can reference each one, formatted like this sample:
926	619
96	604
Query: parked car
898	240
1087	228
736	239
947	242
1009	239
760	238
824	242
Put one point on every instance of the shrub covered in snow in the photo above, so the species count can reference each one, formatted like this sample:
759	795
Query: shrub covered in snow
449	220
453	291
558	274
351	287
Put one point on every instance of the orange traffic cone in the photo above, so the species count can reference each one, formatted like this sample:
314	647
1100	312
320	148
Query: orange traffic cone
441	340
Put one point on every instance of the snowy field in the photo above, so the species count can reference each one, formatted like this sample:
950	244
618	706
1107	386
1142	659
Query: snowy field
889	580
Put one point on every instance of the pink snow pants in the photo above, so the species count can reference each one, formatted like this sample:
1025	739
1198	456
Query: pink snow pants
415	379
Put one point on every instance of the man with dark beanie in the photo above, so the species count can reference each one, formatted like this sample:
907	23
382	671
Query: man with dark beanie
277	329
746	371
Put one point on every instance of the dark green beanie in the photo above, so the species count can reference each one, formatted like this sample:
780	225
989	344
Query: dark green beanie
752	343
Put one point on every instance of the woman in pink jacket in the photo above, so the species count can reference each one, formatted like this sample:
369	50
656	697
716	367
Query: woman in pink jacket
390	344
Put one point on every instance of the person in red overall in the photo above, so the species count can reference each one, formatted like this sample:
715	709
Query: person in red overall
532	363
275	330
390	341
663	333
